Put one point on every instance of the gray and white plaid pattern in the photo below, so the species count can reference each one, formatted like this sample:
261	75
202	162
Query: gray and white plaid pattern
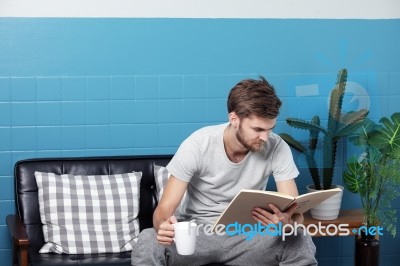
89	214
161	176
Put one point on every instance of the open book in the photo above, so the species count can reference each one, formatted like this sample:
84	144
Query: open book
240	208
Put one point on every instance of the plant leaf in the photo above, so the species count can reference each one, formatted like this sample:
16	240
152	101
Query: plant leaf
360	137
350	122
315	121
292	142
354	178
387	137
348	129
312	145
336	100
303	124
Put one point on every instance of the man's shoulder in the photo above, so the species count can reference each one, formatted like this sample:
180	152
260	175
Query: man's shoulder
274	141
274	137
209	131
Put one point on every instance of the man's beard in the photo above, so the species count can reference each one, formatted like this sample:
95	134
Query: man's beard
247	145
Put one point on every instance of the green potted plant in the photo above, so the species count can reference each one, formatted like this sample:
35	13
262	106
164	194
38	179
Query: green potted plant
375	176
339	125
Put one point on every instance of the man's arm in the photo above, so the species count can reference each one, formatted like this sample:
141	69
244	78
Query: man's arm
162	217
289	187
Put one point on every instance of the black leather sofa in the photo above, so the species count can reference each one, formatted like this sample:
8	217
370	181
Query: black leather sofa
25	226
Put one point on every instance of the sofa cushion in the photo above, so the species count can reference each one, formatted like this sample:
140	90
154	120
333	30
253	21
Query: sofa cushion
161	176
84	214
99	259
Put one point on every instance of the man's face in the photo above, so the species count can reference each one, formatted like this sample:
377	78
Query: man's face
253	132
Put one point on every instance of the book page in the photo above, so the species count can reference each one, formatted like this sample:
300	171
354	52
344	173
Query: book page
240	208
312	199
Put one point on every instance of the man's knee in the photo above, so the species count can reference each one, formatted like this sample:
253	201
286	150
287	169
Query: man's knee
147	251
301	239
147	241
299	249
147	235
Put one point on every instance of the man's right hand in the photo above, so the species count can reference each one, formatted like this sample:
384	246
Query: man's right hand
165	233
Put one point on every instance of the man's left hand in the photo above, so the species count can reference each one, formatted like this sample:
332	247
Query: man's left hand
275	216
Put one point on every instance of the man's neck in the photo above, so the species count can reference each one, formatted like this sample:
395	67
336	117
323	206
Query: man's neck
233	148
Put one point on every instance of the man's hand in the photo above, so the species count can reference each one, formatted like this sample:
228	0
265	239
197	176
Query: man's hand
165	233
274	217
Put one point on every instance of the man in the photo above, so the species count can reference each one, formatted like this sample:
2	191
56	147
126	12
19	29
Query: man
212	166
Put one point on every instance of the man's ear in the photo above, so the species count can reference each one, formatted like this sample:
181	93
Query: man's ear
233	119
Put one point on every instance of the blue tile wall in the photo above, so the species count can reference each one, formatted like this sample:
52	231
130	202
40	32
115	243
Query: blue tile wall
48	138
5	110
147	87
189	128
394	80
171	87
6	189
98	137
329	261
390	260
5	92
146	136
6	167
122	112
48	154
98	88
73	88
218	86
7	206
5	135
97	112
48	113
73	153
122	88
24	138
170	111
73	137
48	89
122	136
23	89
170	135
195	87
73	113
146	111
194	110
21	155
142	90
23	113
216	110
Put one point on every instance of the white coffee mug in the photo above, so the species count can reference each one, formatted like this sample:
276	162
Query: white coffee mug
185	237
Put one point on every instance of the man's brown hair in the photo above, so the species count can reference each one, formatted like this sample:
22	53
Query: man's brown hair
254	97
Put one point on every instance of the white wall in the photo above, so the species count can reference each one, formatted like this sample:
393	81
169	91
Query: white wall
335	9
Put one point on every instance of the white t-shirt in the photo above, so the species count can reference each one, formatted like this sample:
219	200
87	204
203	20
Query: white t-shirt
214	180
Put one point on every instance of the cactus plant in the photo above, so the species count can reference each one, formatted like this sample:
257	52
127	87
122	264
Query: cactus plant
339	125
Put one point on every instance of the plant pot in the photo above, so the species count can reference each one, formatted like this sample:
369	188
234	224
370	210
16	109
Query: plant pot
328	209
366	250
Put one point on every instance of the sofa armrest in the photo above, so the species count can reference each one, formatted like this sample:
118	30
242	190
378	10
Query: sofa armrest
20	241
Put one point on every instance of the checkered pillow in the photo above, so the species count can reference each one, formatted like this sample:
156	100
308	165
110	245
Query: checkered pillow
161	176
88	214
